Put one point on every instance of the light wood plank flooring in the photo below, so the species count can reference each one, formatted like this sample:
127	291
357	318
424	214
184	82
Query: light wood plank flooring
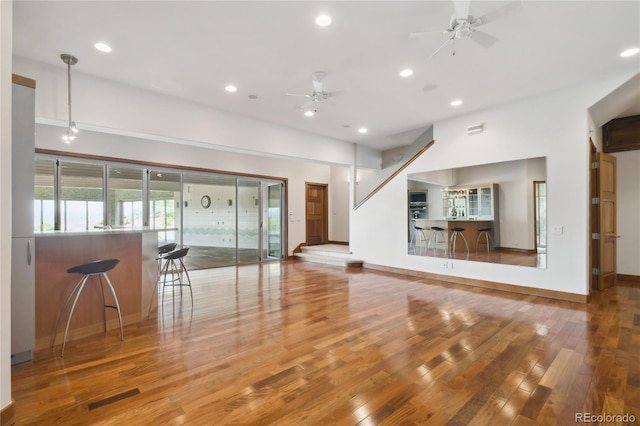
295	343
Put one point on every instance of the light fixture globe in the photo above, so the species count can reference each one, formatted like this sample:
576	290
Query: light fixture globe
72	129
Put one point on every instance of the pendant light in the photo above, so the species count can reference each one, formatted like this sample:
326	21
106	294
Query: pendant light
70	135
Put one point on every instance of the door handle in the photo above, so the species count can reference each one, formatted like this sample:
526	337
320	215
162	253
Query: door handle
29	252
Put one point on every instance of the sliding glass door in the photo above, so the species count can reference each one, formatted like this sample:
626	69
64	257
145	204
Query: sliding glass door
248	220
209	220
224	219
272	220
165	197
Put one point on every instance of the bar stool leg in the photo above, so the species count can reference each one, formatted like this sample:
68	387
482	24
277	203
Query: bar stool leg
64	307
73	307
116	307
184	268
104	303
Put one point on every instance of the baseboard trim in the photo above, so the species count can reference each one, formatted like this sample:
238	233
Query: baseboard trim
625	277
512	288
8	414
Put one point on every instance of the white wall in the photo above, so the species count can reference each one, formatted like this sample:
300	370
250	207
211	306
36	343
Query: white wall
339	206
296	172
628	219
103	104
6	29
554	126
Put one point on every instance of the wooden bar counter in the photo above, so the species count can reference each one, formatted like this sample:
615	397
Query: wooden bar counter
470	226
133	279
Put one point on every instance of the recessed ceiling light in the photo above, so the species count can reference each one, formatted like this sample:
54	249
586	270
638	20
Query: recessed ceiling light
103	47
323	20
309	113
457	102
630	52
231	88
406	72
363	130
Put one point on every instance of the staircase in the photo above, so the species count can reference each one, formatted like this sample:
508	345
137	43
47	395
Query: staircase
329	254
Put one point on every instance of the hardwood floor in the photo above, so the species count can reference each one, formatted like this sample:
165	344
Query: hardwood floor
295	343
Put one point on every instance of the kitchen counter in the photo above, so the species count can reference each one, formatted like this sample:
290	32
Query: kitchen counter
471	227
133	278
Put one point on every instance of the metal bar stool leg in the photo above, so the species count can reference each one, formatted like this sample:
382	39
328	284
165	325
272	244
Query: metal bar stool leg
73	307
116	307
64	307
184	268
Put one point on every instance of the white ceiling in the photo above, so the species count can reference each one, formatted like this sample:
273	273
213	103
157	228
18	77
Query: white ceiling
192	50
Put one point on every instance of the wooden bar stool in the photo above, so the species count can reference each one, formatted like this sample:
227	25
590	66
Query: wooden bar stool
414	238
454	235
99	268
437	236
486	233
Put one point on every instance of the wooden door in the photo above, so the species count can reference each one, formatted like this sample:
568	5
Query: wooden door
317	214
608	230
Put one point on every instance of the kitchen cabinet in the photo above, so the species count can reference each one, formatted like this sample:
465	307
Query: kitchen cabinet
418	204
621	134
471	202
22	244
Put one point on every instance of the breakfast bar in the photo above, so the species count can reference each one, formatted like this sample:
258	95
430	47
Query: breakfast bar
133	278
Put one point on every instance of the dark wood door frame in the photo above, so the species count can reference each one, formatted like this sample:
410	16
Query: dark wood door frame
594	220
324	214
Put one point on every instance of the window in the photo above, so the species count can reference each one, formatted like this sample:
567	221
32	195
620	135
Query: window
44	200
125	197
81	196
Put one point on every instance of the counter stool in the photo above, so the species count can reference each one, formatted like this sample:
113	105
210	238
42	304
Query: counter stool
162	250
437	235
174	266
414	239
454	236
99	268
486	233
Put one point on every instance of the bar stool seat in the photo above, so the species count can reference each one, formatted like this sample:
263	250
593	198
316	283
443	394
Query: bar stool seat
486	233
174	266
454	236
99	268
414	240
437	235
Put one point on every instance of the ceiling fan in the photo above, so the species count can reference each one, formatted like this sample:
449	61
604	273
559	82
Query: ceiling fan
318	94
464	26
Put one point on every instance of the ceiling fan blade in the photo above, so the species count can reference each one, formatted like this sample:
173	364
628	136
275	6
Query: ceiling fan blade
318	75
440	48
483	39
461	8
306	105
504	11
421	33
317	86
335	93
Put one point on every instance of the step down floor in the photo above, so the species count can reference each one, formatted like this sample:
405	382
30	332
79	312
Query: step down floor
329	254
